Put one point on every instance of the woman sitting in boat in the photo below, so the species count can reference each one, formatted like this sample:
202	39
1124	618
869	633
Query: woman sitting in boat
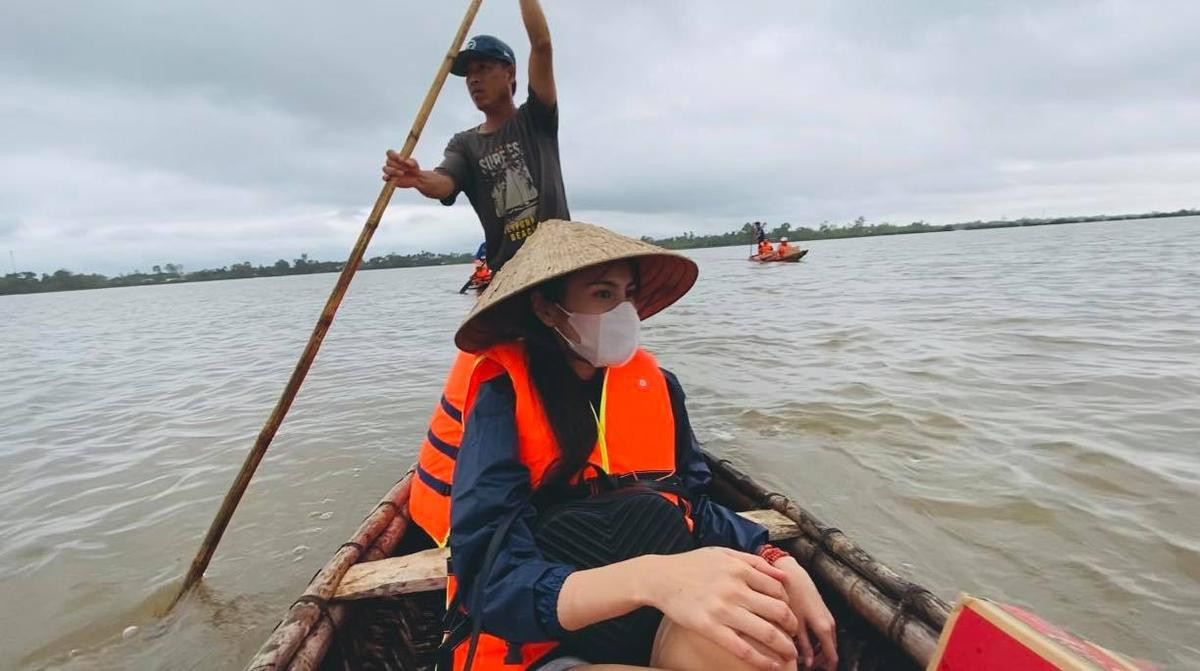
580	531
784	248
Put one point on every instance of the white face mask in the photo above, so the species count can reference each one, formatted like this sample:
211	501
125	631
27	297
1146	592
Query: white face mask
607	339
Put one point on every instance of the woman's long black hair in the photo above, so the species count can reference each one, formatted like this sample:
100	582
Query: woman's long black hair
564	396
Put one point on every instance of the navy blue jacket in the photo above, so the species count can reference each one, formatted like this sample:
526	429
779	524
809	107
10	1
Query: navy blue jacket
521	598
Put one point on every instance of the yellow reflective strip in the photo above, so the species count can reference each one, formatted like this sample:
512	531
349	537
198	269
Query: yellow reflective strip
600	443
600	439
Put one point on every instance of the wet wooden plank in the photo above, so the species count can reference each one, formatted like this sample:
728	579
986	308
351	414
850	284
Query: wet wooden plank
426	571
779	527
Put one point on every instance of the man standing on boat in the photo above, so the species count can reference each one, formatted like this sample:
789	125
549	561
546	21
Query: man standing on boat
508	166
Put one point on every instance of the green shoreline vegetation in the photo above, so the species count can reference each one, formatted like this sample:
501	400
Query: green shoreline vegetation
170	273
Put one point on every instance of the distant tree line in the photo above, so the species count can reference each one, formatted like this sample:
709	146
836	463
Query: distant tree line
860	228
746	234
65	280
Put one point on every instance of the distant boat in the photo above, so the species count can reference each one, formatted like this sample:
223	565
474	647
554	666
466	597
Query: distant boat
479	280
792	256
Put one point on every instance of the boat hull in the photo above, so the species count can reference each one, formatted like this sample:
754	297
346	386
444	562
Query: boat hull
793	256
884	622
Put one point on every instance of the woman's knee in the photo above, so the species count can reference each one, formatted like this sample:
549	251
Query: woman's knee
678	648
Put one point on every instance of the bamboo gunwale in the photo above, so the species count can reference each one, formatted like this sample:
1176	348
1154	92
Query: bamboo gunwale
888	601
292	633
917	639
312	650
217	529
899	610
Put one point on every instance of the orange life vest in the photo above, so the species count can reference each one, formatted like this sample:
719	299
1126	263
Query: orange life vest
429	501
636	436
784	248
481	273
765	248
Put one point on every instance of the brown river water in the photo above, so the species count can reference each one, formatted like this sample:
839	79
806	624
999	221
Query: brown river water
1012	412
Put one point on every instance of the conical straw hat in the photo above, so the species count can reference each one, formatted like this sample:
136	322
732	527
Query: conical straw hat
560	247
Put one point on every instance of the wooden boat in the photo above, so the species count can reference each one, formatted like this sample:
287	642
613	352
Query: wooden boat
478	281
378	603
792	256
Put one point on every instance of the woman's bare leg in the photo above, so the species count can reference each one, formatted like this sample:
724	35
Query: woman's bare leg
681	649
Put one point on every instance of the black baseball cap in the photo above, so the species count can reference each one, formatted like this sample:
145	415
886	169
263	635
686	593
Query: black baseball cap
482	46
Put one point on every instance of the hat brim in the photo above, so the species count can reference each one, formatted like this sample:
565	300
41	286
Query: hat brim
502	310
459	66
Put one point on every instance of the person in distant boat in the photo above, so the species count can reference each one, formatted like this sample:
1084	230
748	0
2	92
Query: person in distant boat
760	233
580	531
784	248
479	279
765	249
508	166
483	274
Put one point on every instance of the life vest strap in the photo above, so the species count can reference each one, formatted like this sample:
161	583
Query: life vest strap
454	413
433	483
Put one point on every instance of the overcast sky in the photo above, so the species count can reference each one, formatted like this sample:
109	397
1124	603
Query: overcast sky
135	132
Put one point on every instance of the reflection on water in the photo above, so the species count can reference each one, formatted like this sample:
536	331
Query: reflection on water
1010	412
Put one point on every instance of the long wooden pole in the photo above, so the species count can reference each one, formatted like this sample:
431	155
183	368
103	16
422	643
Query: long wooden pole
213	537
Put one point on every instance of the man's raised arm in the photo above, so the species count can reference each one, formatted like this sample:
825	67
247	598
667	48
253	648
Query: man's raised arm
541	54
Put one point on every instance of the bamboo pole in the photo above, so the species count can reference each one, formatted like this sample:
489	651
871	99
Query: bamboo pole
217	529
282	644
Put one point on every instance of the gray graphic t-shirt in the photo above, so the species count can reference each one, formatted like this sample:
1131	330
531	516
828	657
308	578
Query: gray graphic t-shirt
511	176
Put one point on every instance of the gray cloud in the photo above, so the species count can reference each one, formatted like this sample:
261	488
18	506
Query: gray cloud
134	133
